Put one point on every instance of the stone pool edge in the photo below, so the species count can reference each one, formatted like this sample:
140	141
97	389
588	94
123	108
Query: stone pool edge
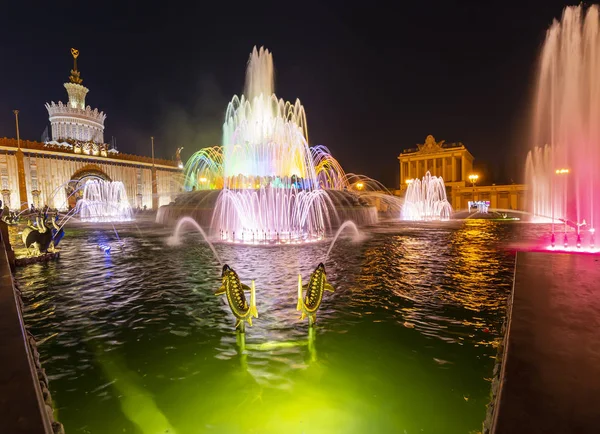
491	417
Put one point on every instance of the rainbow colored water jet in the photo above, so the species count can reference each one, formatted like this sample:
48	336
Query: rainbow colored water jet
274	187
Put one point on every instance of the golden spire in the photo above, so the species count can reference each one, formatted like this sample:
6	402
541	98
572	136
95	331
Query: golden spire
75	78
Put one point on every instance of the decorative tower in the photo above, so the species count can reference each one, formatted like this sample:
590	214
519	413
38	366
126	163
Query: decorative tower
74	121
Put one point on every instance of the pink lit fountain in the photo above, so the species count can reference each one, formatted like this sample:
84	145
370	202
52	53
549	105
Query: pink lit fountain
562	168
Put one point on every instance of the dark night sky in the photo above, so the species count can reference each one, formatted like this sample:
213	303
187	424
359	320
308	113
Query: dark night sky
374	77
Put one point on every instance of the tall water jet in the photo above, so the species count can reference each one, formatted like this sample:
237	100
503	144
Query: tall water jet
426	200
104	201
562	172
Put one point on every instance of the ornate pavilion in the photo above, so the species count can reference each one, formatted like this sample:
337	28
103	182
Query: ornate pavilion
45	173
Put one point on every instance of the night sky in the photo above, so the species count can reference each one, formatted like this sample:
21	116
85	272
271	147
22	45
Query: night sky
375	78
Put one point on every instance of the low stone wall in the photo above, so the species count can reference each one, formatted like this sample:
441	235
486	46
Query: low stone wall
57	427
498	374
45	257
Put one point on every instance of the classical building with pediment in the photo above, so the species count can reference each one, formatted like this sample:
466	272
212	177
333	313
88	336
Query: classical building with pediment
49	172
454	163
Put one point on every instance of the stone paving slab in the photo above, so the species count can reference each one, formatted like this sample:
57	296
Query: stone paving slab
551	373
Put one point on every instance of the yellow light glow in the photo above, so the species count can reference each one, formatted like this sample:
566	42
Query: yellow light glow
561	171
359	185
473	178
203	180
409	181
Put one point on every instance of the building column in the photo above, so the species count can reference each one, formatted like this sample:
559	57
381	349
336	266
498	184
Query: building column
435	167
154	190
453	175
462	168
444	168
22	182
401	174
513	200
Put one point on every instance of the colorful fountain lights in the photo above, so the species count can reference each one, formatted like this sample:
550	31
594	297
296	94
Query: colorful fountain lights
272	183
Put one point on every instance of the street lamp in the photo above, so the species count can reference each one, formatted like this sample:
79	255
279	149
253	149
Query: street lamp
359	185
409	181
473	178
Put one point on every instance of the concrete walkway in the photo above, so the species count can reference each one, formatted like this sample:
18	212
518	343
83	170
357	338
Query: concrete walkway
551	372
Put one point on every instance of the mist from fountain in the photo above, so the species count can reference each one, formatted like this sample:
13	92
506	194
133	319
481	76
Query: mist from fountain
562	172
426	200
104	201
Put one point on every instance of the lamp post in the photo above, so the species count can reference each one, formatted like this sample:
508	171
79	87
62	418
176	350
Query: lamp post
16	112
473	178
565	239
152	139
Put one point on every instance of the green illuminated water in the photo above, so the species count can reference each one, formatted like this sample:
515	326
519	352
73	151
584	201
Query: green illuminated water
405	344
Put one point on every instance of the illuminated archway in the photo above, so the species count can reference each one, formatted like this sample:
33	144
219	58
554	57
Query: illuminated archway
87	172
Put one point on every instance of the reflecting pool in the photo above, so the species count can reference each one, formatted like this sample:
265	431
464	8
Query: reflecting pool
135	341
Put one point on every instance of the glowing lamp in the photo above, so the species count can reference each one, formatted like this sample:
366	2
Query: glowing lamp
409	181
473	178
561	171
359	185
203	180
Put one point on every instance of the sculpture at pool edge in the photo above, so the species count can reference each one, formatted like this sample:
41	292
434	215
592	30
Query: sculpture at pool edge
315	288
234	290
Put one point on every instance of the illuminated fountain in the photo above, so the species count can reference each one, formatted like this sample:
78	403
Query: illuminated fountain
265	184
426	200
563	175
104	201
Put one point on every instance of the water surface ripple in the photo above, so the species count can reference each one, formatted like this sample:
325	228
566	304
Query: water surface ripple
138	343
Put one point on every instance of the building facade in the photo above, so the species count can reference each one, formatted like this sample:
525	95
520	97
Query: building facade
454	163
52	172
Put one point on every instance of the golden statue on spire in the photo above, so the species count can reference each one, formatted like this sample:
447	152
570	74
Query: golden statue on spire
75	78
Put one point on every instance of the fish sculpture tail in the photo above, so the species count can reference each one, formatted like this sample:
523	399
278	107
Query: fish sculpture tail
300	303
253	311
